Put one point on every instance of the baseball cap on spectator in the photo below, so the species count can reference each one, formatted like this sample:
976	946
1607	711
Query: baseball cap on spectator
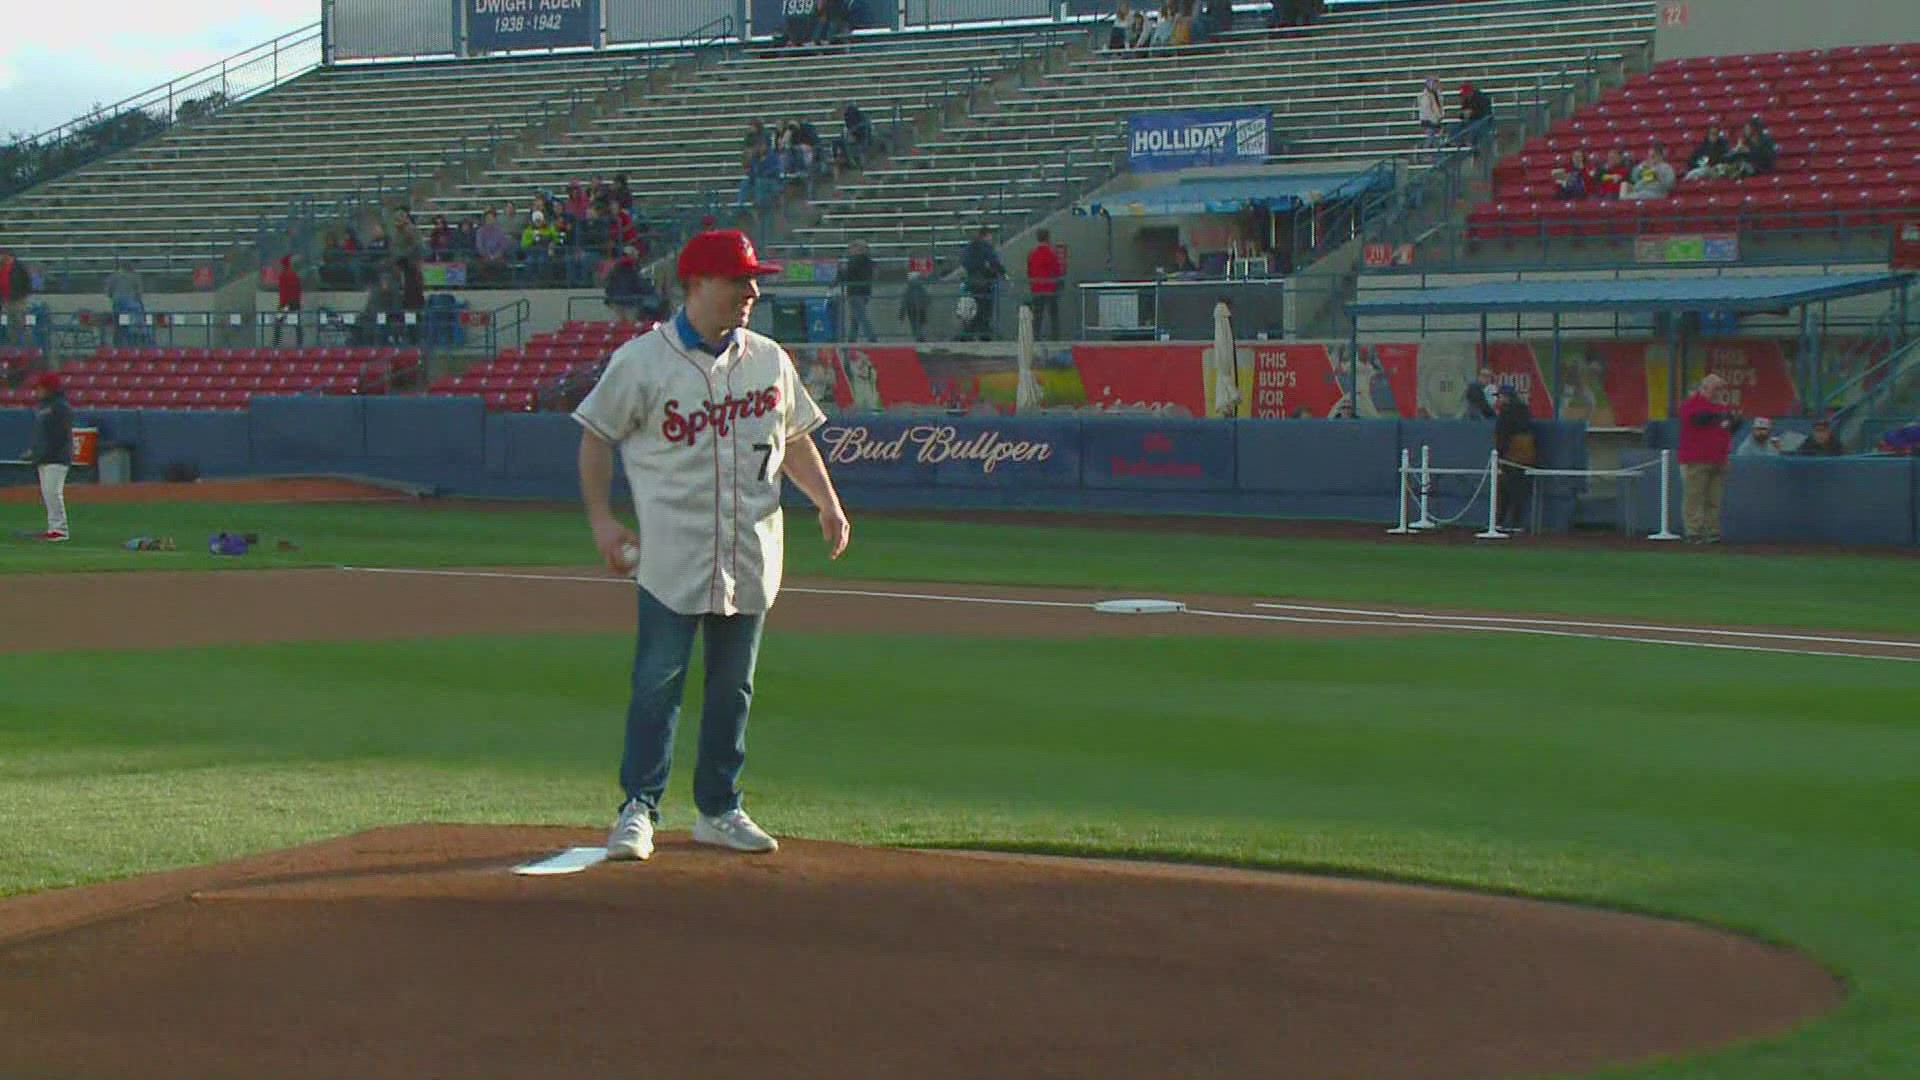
722	253
1763	423
45	380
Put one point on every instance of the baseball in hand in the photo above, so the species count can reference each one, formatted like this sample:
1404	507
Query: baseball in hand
630	555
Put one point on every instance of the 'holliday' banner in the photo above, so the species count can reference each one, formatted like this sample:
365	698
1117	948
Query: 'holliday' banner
1159	141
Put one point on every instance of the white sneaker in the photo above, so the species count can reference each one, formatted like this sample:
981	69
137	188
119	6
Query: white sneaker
733	829
632	835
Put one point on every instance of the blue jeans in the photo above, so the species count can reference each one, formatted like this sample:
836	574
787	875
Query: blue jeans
662	650
858	319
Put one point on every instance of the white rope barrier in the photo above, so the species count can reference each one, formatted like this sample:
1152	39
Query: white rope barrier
1418	485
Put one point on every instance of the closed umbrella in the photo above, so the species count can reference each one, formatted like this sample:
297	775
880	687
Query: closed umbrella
1027	391
1226	364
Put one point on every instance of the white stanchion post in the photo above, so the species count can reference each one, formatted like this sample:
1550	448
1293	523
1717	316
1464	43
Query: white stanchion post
1426	489
1666	499
1493	499
1406	471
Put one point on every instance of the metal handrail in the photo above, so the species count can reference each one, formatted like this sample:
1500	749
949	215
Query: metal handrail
162	106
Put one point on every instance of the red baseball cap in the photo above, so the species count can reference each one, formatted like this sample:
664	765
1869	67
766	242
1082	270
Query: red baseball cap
46	380
722	253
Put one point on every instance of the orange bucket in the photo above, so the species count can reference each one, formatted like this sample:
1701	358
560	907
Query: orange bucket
86	447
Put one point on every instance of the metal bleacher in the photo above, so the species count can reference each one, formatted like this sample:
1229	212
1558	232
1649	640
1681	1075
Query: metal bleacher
331	135
684	149
1341	91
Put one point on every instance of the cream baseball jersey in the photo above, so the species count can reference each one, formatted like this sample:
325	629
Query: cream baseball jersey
702	437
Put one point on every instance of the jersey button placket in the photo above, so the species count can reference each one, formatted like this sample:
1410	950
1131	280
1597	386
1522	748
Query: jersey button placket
729	497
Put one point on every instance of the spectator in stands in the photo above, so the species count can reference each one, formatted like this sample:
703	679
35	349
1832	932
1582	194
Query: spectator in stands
803	144
1139	33
16	286
856	283
537	243
1219	17
1483	396
1754	154
1295	12
1652	178
1046	269
1120	34
856	134
593	244
288	282
1160	30
1761	442
625	287
440	239
1513	440
126	293
622	193
1706	441
916	304
1431	111
579	201
1571	182
832	21
1822	441
756	138
1710	154
1183	264
406	236
1476	115
1614	174
983	273
493	247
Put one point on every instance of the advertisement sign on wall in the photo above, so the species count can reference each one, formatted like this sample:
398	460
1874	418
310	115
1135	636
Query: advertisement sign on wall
1160	141
501	25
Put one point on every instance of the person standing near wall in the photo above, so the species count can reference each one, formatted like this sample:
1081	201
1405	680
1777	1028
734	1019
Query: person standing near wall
52	453
1513	439
856	279
1045	270
16	285
290	293
1706	440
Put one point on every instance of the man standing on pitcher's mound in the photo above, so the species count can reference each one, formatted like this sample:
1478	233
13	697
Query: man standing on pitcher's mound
708	416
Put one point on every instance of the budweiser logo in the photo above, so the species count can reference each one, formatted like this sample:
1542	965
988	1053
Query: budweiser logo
930	444
717	416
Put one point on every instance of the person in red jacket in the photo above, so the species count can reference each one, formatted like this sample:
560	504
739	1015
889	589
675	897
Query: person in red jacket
290	292
1045	269
1707	421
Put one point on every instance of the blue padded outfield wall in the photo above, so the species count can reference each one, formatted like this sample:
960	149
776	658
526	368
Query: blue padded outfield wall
1333	469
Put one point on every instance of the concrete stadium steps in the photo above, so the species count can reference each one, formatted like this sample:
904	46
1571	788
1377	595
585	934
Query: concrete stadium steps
687	145
329	136
1341	93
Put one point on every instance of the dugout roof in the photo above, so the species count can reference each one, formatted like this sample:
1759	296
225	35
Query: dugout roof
1725	293
1228	194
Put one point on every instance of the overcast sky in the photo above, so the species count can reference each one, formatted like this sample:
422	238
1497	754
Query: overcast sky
58	60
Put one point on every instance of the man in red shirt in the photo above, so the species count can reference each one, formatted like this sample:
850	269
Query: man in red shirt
1045	269
1707	421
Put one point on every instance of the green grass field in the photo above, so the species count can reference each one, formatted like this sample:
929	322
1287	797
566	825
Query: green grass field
1773	794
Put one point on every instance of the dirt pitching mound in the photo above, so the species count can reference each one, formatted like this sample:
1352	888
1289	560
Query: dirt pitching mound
413	952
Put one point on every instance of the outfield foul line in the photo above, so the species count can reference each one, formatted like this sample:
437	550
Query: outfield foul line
1315	616
1541	631
1761	635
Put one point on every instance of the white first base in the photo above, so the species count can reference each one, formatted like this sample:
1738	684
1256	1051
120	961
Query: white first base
1139	607
570	861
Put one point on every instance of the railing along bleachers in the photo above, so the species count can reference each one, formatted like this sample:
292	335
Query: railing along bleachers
1341	92
1846	121
682	151
331	136
117	377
